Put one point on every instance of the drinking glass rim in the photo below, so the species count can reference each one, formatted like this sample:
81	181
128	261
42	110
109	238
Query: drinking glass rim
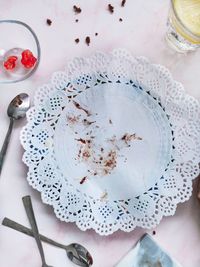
37	46
181	23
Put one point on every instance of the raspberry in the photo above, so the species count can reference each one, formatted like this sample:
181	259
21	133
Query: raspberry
29	63
10	63
28	59
26	54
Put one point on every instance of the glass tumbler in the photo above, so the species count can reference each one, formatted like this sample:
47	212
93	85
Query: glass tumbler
183	33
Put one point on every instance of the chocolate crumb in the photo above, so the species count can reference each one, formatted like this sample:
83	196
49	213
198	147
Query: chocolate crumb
81	140
87	123
87	40
120	19
76	20
86	155
16	102
77	40
96	33
123	137
78	106
110	8
49	22
154	232
77	10
110	121
123	3
83	180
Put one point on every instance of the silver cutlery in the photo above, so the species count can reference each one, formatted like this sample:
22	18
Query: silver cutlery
16	110
31	216
78	254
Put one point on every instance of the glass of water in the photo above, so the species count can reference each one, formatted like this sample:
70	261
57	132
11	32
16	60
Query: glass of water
183	33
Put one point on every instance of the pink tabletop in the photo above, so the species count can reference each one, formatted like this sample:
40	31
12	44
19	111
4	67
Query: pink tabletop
141	31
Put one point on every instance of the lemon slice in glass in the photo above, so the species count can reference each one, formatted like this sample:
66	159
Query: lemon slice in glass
188	12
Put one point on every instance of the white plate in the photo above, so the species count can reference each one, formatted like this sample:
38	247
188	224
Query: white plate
112	143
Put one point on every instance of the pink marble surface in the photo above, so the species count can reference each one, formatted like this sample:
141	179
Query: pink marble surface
142	32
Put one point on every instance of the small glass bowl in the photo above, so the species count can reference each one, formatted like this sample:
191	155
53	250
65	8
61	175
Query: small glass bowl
17	36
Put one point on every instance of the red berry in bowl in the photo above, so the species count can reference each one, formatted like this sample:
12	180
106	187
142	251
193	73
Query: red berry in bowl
10	63
28	59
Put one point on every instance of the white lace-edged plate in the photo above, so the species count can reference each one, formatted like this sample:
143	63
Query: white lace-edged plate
129	108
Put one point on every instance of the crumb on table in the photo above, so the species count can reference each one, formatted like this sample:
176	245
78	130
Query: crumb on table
110	8
87	40
123	3
49	22
77	9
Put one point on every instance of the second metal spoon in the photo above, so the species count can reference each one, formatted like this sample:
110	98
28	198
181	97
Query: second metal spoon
16	110
78	254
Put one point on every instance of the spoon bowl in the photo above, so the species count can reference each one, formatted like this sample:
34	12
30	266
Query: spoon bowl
18	106
79	255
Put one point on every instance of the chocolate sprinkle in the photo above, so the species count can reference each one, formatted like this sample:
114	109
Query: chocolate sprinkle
81	140
76	20
77	40
83	180
111	8
154	232
87	40
49	22
96	33
123	3
120	19
77	10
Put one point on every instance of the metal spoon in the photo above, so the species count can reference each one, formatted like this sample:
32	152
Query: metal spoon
16	110
31	216
75	252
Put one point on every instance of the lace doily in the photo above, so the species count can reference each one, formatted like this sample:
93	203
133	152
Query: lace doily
48	147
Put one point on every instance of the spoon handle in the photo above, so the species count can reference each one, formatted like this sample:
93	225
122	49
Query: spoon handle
30	213
5	144
20	228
